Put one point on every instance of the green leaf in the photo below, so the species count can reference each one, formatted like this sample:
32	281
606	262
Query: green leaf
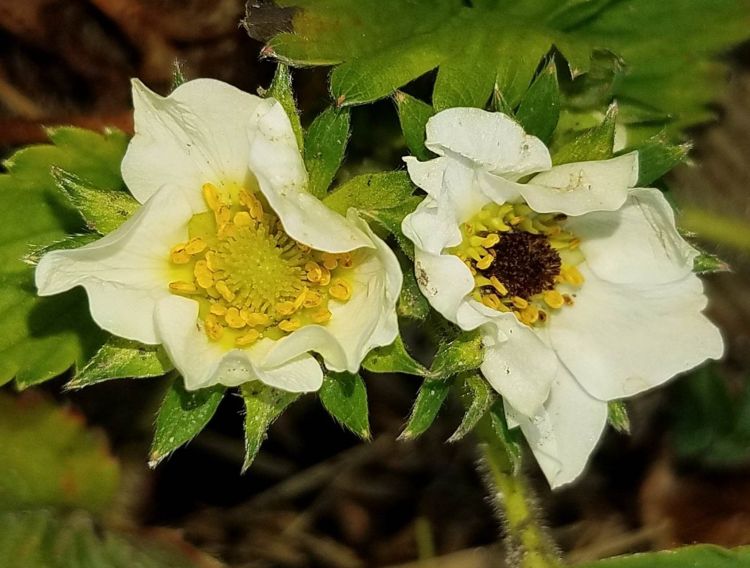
325	144
182	416
413	115
539	109
344	396
390	219
121	358
698	556
42	539
371	192
281	90
707	263
511	439
67	243
479	397
593	144
49	458
618	416
429	400
462	354
393	358
42	337
263	405
657	157
411	303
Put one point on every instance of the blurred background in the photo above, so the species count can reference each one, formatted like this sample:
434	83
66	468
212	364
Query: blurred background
315	496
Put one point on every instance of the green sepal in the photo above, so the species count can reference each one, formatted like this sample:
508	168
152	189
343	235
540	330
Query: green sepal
462	354
429	401
539	109
103	209
617	416
325	145
68	243
344	396
413	115
281	90
657	157
178	75
182	416
371	192
478	398
411	303
510	438
263	405
122	358
393	358
697	556
707	263
596	143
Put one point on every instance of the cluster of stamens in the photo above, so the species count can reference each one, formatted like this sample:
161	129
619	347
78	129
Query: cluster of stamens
250	278
522	261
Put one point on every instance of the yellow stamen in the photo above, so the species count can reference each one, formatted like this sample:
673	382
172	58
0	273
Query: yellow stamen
289	325
195	245
340	290
519	302
554	299
485	263
223	289
321	316
499	286
248	338
234	319
182	287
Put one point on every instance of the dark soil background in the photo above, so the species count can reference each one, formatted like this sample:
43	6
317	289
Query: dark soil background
316	496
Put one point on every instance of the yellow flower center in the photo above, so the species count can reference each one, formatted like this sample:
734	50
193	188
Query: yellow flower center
522	261
250	278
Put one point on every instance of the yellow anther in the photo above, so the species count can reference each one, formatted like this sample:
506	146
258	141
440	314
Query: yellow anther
218	309
247	339
255	318
223	215
314	271
223	289
196	245
499	286
214	330
329	261
491	240
182	287
492	301
519	302
252	204
340	290
212	261
289	325
203	276
321	316
300	300
213	293
515	220
211	196
234	319
325	276
529	315
485	263
346	260
312	299
243	219
245	198
285	308
178	255
572	275
554	299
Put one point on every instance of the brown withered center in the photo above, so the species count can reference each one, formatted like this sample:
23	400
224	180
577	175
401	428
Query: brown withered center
526	264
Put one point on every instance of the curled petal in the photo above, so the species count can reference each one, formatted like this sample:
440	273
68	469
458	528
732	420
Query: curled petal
444	280
124	273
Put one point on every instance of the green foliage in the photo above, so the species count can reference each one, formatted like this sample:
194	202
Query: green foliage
325	145
263	405
41	539
103	209
478	398
510	439
596	143
462	354
411	303
656	157
707	263
711	419
281	90
413	115
121	358
430	398
539	109
667	48
48	458
182	416
42	337
393	358
618	417
344	396
699	556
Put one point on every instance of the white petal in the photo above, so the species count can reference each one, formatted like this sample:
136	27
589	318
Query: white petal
565	433
582	187
197	134
619	340
204	363
637	244
491	140
444	280
432	226
427	175
518	364
366	321
126	272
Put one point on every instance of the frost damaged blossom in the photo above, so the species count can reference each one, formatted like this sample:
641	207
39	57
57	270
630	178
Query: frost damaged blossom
230	263
580	284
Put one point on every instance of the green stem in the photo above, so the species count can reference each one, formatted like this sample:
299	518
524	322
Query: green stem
514	503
